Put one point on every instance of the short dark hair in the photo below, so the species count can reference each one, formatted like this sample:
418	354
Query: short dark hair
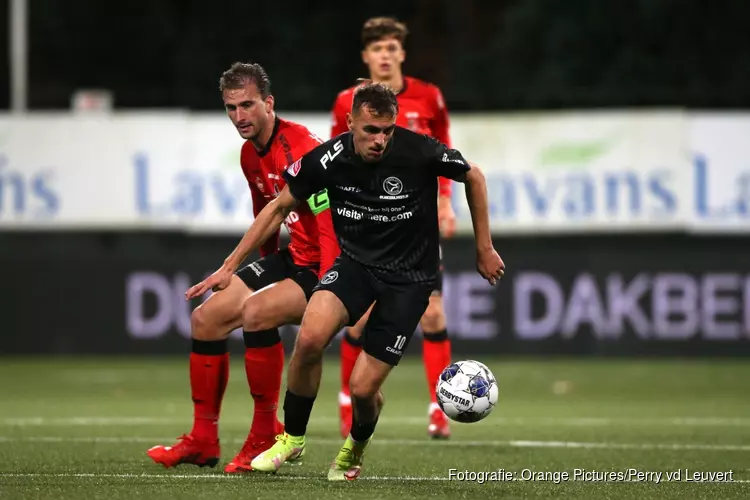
241	74
377	97
377	28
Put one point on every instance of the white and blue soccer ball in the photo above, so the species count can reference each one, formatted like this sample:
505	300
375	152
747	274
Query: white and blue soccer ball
466	391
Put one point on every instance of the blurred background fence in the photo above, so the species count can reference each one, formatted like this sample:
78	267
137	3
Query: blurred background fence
614	136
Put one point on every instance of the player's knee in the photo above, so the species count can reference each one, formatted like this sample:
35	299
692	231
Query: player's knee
201	325
252	317
310	345
365	389
433	319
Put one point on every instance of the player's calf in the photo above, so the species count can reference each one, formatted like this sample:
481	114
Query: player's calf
433	320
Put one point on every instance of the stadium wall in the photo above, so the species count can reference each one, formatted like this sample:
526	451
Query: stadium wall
625	233
123	293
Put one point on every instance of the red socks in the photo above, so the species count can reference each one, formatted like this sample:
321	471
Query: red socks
264	366
209	372
436	353
350	349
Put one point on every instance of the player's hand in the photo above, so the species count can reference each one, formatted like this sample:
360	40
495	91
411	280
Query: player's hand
446	217
219	280
490	265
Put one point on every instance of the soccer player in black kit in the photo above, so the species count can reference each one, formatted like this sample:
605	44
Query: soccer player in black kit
382	188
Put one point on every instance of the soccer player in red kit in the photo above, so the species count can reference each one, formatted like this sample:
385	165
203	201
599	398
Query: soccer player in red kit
243	296
421	109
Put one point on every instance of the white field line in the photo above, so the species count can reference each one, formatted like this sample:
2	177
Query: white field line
236	477
385	420
410	442
202	477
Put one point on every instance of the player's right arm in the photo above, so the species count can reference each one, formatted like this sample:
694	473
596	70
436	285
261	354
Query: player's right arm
304	178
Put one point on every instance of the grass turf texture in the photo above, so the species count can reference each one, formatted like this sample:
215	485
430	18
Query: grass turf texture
79	428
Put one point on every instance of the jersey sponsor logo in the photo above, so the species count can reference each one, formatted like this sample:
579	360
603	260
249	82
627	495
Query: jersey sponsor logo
390	218
293	169
352	214
330	277
338	147
257	269
447	158
349	189
393	186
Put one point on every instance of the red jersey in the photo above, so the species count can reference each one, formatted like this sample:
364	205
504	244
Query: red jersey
312	239
421	109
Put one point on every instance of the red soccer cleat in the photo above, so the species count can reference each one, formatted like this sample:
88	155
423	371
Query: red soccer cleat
345	415
439	427
186	451
254	446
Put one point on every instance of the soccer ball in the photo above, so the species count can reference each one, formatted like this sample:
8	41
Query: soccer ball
466	391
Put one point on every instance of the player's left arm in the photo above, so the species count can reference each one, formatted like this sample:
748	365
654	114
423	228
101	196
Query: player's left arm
440	130
450	163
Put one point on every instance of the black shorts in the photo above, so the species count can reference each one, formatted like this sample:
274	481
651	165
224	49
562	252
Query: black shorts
397	311
278	267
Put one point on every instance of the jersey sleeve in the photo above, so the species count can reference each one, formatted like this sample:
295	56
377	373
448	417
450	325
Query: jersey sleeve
338	117
329	245
272	244
306	176
444	161
440	127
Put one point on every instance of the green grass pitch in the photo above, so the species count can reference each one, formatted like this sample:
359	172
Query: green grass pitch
75	428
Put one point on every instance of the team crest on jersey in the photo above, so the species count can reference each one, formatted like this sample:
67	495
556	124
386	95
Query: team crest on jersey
393	186
330	277
294	168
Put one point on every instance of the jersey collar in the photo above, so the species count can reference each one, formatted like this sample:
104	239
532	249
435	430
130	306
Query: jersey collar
263	152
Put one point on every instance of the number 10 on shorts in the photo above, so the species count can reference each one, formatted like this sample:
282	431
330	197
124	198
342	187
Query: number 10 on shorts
400	341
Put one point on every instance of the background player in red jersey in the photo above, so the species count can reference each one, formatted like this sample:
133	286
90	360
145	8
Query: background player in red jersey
245	297
421	109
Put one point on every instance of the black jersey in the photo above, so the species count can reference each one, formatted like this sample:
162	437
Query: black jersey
385	212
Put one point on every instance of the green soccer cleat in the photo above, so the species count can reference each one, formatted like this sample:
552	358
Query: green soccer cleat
348	463
286	449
